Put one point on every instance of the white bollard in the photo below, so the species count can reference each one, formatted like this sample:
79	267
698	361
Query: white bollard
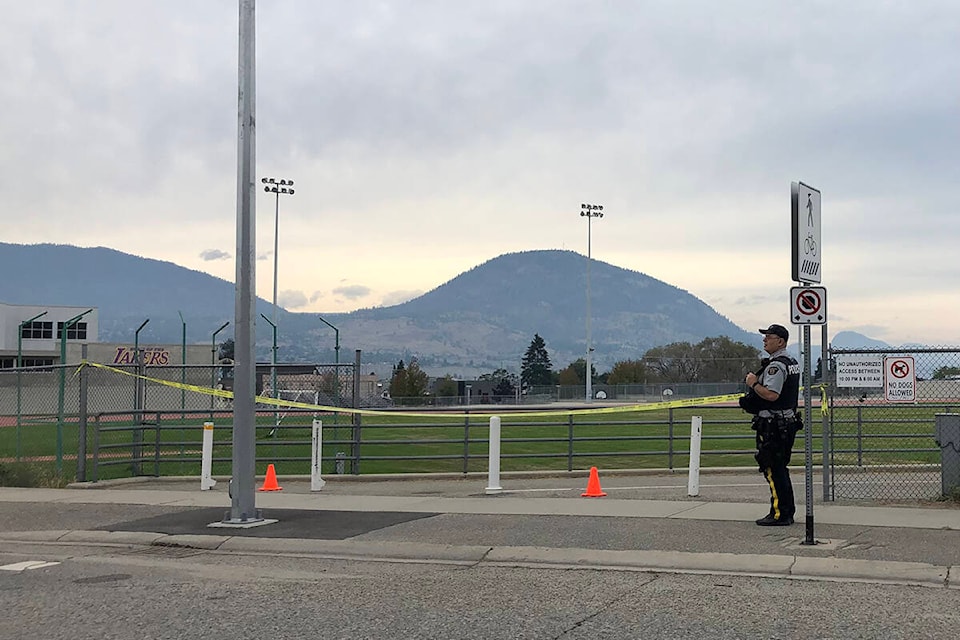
206	458
493	466
696	431
316	482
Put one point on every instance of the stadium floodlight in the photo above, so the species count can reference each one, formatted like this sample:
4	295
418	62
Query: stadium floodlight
278	188
589	211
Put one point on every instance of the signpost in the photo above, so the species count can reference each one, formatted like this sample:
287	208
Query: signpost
808	306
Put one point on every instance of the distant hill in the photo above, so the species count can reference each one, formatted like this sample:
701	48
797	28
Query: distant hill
854	340
483	319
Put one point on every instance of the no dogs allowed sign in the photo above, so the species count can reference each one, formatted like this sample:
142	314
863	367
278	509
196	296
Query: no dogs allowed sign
899	379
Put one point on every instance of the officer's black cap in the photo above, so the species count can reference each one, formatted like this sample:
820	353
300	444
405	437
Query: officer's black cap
776	330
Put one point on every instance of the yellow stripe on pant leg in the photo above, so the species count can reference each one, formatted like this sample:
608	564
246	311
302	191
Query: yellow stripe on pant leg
773	493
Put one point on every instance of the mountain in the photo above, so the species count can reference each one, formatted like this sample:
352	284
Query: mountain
483	319
854	340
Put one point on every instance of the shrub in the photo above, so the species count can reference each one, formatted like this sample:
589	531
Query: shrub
24	474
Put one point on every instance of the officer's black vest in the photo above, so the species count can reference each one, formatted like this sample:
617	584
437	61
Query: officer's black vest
789	394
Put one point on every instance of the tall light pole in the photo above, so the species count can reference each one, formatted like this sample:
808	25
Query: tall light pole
63	383
278	188
19	366
336	359
589	211
273	377
137	397
213	361
183	368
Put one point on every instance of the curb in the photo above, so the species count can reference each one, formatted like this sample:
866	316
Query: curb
751	565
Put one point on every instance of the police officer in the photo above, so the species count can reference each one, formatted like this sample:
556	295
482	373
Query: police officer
776	386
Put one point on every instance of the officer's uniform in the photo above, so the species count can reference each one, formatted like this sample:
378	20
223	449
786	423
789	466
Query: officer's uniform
776	425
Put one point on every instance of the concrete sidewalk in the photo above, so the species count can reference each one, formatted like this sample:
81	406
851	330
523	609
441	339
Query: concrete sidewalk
646	523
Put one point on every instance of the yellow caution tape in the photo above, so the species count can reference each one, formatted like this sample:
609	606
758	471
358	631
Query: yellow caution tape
653	406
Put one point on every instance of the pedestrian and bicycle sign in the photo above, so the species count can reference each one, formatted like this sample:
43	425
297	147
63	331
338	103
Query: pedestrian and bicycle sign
899	379
805	216
808	305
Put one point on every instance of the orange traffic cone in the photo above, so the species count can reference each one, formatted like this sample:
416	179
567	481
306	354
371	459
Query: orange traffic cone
270	482
593	485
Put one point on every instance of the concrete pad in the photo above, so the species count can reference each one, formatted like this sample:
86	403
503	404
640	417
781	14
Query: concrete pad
823	544
919	573
249	524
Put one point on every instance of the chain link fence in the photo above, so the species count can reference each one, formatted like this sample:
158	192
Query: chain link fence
882	449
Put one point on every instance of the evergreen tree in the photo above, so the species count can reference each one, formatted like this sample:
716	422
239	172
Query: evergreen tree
535	368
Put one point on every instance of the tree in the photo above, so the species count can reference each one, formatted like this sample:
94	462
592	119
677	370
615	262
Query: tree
675	362
818	374
535	368
580	367
447	387
227	348
711	360
628	372
408	383
505	383
225	356
568	377
725	360
946	373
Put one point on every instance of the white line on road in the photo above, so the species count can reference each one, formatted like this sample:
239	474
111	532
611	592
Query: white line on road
27	564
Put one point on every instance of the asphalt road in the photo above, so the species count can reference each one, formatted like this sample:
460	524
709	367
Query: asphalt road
104	593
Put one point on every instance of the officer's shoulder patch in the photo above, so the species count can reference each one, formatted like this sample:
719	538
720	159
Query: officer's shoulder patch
772	371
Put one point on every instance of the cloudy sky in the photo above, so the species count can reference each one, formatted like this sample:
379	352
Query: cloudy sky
428	136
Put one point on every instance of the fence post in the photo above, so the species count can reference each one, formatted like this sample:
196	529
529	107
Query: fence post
693	477
825	380
493	464
859	436
569	442
96	448
670	439
157	444
137	449
316	482
206	458
466	443
82	427
355	445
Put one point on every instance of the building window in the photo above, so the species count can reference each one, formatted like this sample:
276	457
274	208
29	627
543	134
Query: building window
38	331
11	363
76	332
